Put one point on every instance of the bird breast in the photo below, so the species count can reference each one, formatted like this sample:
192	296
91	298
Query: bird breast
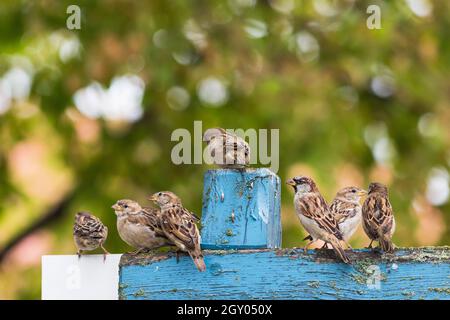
349	226
87	243
138	235
312	227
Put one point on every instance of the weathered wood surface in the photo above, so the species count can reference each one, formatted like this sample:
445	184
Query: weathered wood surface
241	209
410	273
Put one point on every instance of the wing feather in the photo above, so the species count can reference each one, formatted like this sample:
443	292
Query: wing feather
342	210
377	213
315	207
149	218
179	226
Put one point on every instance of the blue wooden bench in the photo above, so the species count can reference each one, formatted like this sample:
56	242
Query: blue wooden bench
241	235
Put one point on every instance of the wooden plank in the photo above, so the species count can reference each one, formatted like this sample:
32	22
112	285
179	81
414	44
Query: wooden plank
241	209
65	277
412	273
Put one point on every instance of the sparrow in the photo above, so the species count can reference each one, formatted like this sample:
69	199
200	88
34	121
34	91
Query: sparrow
89	233
315	216
227	150
179	226
347	210
378	218
139	227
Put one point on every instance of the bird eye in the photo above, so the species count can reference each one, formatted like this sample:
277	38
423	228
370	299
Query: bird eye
354	190
125	206
159	194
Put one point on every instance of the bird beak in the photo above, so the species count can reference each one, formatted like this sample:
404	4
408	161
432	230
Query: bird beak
152	198
291	182
115	207
362	193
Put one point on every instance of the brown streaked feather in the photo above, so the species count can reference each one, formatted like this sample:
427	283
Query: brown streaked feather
232	146
377	213
149	217
194	216
339	250
235	142
315	207
342	210
378	219
90	226
179	226
88	231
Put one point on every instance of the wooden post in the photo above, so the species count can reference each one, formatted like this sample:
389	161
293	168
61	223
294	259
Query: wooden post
241	209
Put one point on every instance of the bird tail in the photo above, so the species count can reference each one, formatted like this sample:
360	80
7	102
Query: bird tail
198	261
386	243
339	250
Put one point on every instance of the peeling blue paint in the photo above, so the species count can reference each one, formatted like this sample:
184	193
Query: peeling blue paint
241	210
252	197
290	274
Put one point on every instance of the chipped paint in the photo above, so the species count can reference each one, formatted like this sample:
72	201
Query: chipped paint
288	274
250	197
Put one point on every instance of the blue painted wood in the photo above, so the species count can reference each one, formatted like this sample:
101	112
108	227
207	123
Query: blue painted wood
416	273
241	209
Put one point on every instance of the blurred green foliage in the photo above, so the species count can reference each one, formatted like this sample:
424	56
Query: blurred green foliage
352	105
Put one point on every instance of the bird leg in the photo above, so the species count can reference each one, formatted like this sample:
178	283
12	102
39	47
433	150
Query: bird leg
177	254
370	245
305	249
105	252
152	251
137	251
325	245
79	254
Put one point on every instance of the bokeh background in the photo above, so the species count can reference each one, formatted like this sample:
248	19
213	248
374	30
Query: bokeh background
86	115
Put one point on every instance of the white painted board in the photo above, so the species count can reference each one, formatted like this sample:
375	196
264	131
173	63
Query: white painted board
65	277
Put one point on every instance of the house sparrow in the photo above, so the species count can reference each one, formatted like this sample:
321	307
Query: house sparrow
314	214
346	209
179	226
378	218
139	227
89	233
226	149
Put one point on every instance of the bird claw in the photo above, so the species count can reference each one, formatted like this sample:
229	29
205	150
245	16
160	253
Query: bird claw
135	252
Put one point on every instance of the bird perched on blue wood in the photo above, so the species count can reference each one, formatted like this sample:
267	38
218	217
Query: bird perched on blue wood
89	233
179	226
378	217
315	216
347	210
226	149
139	227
